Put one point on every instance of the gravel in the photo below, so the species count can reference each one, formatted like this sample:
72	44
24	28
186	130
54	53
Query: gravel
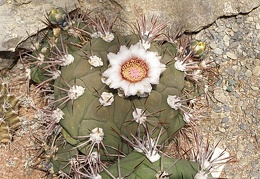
234	45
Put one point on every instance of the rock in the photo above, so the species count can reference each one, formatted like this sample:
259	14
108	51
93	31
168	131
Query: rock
213	45
185	15
219	95
256	71
226	39
224	120
257	26
231	55
248	73
23	17
218	51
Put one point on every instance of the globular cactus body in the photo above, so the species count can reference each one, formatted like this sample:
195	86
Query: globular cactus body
83	110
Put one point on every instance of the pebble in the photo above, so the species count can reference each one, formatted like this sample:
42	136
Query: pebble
231	55
257	26
219	95
255	175
213	45
248	73
226	39
255	88
256	71
225	119
250	19
218	51
221	129
243	126
217	109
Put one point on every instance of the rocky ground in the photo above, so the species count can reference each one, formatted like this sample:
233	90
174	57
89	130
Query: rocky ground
234	118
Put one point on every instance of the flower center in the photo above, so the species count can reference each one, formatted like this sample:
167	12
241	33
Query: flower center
134	70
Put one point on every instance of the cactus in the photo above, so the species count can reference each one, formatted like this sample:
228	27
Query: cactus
102	115
164	168
9	120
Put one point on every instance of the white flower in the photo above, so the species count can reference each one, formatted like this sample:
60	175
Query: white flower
133	70
66	60
174	102
96	135
139	116
106	99
179	65
57	115
95	61
75	92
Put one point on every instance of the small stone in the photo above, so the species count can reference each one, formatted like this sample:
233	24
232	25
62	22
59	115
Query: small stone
250	146
226	108
219	95
235	27
224	120
231	55
238	109
214	115
256	62
221	129
255	88
248	73
256	71
217	109
254	175
239	18
213	45
243	126
226	39
239	155
257	26
218	51
250	19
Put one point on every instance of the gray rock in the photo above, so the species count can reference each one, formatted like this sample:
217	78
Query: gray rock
218	51
22	17
186	15
224	120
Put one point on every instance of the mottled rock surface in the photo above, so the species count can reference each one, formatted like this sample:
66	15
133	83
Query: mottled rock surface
22	17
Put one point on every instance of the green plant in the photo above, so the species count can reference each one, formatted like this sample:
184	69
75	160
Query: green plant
118	95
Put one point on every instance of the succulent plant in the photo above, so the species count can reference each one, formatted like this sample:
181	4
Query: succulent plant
9	120
117	94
